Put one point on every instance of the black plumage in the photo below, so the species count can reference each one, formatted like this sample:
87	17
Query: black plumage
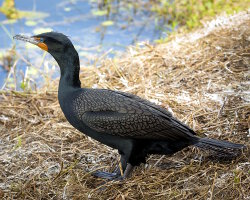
134	126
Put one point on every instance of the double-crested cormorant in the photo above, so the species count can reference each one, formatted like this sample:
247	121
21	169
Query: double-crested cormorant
123	121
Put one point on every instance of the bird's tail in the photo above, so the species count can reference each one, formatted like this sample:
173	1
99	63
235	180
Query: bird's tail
220	147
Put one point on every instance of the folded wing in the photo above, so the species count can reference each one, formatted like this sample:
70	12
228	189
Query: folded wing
127	115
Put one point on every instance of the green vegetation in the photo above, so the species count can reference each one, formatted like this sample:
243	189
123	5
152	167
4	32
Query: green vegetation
19	142
9	10
190	13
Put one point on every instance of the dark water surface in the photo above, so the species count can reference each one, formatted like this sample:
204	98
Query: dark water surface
80	20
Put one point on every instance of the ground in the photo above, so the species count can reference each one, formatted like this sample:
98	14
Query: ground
201	77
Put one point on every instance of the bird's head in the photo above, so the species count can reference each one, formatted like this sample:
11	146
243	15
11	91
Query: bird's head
57	44
61	48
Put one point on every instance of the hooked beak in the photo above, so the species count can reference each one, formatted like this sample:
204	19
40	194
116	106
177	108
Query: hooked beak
33	40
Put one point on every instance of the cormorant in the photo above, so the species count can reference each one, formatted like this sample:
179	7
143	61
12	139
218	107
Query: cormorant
123	121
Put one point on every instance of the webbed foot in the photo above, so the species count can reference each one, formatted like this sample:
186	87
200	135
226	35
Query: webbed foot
107	175
116	175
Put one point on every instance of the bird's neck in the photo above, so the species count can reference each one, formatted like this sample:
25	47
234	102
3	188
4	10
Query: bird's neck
69	67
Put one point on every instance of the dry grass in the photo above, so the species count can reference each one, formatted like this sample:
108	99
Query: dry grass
202	77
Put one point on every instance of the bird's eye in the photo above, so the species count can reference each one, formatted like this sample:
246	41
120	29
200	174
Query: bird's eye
41	40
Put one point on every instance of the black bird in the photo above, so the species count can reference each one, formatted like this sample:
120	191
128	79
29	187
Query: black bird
123	121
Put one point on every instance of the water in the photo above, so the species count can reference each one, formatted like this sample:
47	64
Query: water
78	19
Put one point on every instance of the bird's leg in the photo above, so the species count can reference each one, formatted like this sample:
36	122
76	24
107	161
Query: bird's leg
121	166
128	171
